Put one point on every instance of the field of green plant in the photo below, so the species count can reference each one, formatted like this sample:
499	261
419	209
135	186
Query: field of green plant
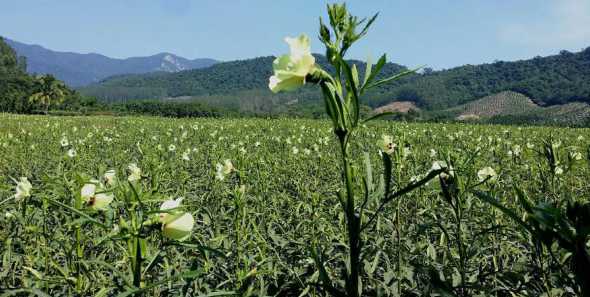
260	215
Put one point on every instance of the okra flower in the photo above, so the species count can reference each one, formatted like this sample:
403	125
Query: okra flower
110	177
290	70
386	144
487	173
558	170
64	142
23	189
94	200
223	170
438	165
72	153
175	224
134	172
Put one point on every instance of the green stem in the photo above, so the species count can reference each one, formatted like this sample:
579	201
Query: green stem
461	245
353	224
138	260
79	251
582	267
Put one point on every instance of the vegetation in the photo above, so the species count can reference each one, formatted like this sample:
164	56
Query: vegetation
24	93
49	91
258	243
168	109
15	84
348	207
504	103
549	80
226	79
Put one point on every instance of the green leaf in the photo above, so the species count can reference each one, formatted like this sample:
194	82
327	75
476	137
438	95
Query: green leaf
368	69
492	201
392	78
18	292
387	168
368	25
80	213
377	116
324	33
103	292
352	83
324	277
374	72
368	171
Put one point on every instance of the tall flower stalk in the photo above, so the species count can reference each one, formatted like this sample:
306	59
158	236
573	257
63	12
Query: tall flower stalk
342	90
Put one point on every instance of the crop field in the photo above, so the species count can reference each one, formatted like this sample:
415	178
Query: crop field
259	197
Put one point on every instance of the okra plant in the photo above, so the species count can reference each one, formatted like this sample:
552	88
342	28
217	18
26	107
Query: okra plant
342	90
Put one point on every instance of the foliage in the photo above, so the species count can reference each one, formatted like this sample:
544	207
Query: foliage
107	206
342	93
15	84
23	93
48	91
289	172
168	109
226	79
548	80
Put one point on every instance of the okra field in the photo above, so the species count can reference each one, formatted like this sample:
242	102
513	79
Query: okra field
259	225
352	203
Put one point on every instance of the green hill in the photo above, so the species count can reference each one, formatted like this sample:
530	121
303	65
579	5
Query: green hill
511	107
228	79
571	114
551	80
504	103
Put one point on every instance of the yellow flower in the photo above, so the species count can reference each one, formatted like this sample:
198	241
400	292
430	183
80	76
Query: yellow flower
110	177
290	70
487	173
23	189
386	144
176	225
98	201
72	153
224	169
438	165
134	172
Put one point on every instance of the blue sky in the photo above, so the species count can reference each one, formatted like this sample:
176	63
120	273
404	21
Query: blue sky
438	33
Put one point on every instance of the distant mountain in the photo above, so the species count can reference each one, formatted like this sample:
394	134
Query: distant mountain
84	69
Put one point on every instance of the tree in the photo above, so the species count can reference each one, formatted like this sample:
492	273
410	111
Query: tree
50	91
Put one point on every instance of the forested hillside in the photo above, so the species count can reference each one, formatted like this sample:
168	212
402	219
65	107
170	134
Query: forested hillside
24	93
15	84
227	79
548	80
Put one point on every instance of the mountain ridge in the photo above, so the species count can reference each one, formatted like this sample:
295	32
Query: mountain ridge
78	69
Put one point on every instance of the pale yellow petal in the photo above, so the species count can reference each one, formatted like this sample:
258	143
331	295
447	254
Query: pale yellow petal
179	227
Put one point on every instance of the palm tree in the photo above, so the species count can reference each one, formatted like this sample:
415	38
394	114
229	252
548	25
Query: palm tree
51	91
